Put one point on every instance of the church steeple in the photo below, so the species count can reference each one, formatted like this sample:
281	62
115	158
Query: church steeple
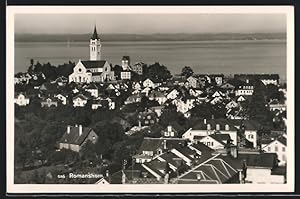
95	35
95	46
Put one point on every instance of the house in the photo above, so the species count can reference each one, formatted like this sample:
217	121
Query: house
261	167
277	146
241	98
209	127
61	81
49	102
192	82
157	109
218	94
21	99
136	86
218	78
22	78
126	75
215	141
152	147
231	104
277	107
76	136
146	90
62	98
138	68
148	83
228	87
79	100
92	89
195	92
104	102
147	118
244	88
169	132
172	94
264	78
135	98
158	96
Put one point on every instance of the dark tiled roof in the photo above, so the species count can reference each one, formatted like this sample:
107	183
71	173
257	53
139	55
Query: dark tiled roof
73	137
202	147
220	137
282	140
94	64
260	160
81	96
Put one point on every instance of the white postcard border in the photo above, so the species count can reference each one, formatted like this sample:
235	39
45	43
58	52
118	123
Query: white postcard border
174	188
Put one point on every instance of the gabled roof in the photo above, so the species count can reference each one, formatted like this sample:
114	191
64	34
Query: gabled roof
73	137
81	96
220	137
202	147
94	63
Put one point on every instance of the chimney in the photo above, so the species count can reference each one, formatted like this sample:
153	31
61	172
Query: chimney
208	127
165	144
247	81
80	130
234	151
204	121
68	129
226	127
217	127
212	117
107	173
140	123
76	125
198	176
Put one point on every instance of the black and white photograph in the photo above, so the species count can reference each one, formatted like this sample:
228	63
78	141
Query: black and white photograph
150	99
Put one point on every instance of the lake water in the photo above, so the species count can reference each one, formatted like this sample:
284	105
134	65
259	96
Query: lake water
228	57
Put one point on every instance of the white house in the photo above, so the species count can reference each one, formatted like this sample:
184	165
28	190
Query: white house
21	99
126	74
79	100
172	94
244	89
231	104
192	82
62	98
215	141
148	83
277	146
210	127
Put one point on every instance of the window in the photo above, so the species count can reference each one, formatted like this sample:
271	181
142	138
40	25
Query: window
146	122
276	148
149	117
269	148
283	149
212	143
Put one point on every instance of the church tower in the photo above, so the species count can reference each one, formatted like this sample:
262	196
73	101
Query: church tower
95	46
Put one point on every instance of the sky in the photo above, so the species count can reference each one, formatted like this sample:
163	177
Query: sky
149	23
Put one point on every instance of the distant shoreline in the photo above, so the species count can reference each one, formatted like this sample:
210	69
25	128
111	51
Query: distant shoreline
150	37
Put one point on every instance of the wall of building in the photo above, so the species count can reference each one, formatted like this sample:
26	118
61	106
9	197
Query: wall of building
263	176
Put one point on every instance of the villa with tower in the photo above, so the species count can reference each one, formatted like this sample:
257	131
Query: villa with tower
95	69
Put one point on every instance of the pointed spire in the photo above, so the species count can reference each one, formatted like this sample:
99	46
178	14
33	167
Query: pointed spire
95	35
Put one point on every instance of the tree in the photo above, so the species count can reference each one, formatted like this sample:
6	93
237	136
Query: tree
187	71
158	72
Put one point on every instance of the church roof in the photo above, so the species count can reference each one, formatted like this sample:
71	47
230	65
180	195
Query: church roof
94	64
95	35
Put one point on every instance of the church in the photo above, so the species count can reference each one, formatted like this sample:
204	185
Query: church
95	69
